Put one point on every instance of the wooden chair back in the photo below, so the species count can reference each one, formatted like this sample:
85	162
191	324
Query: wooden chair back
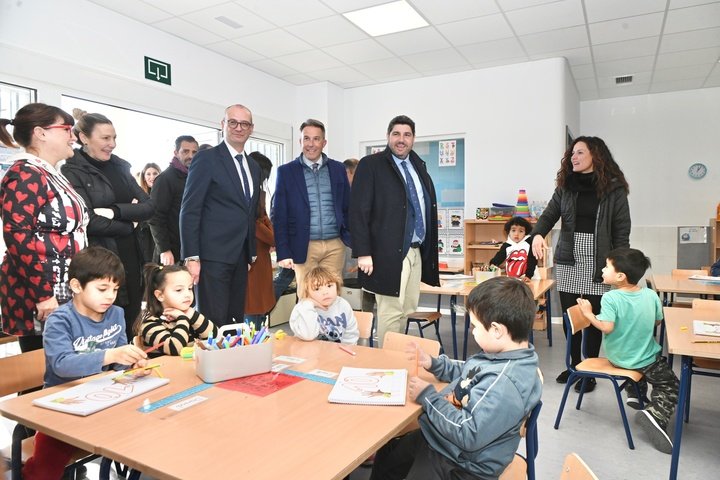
707	306
398	341
575	469
22	372
683	273
517	470
578	321
364	321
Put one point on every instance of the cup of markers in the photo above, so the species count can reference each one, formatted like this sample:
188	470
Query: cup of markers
241	353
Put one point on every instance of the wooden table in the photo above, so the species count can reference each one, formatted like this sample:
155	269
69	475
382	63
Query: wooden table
453	290
667	284
234	434
680	342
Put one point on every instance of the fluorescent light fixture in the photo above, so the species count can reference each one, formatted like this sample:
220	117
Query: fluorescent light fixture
387	18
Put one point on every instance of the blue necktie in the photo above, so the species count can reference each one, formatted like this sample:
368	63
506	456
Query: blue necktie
246	185
415	201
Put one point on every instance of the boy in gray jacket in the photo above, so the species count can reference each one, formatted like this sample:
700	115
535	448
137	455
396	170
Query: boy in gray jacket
471	429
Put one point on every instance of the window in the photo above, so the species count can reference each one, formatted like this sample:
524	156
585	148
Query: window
12	98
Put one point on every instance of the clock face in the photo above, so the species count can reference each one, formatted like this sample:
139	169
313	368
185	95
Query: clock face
697	170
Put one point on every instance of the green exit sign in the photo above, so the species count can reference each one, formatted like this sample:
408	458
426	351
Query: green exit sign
157	71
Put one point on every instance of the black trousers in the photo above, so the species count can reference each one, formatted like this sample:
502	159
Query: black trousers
593	336
410	457
221	290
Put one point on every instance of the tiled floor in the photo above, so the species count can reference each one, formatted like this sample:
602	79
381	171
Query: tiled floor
595	432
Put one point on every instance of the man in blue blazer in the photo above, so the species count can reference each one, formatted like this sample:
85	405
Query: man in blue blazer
217	220
310	208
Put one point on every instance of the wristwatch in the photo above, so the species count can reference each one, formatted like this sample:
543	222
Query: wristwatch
191	259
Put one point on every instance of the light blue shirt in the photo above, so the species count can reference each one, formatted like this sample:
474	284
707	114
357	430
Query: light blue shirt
418	187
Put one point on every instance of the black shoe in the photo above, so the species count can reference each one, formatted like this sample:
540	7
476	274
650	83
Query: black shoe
656	432
589	385
563	377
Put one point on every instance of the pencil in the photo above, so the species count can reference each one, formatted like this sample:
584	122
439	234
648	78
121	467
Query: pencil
126	372
154	347
705	341
347	350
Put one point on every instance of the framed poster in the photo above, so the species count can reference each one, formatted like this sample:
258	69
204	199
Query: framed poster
454	245
442	218
442	242
455	218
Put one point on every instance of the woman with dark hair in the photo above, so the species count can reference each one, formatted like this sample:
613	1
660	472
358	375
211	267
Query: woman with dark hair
591	199
146	180
259	296
115	201
44	221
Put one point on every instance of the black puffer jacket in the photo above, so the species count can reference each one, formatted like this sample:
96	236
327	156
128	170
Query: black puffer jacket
612	225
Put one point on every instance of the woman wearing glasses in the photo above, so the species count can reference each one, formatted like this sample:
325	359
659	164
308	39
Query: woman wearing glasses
44	221
115	201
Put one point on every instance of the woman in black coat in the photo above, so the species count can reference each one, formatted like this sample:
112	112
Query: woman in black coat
115	201
591	199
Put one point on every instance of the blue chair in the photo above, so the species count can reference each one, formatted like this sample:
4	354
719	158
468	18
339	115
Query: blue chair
597	368
423	321
524	467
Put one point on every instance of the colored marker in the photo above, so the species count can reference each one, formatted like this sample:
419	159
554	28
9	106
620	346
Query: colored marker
347	350
154	347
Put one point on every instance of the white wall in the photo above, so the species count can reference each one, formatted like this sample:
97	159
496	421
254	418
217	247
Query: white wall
512	119
78	48
655	138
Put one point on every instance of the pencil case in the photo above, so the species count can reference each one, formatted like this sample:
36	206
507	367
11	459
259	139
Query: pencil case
214	366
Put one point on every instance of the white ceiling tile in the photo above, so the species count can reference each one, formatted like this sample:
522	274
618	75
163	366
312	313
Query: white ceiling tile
136	9
550	16
287	12
438	12
583	71
476	30
682	73
362	83
207	19
343	6
588	95
340	75
500	62
274	43
328	31
689	3
638	47
626	28
601	10
181	7
358	52
626	66
639	78
384	69
623	91
688	57
555	40
273	68
308	61
675	85
709	37
300	79
574	56
713	80
508	5
187	31
413	41
403	77
489	51
234	51
693	18
437	60
449	70
585	83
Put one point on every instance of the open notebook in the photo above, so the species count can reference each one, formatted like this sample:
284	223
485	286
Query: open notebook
99	393
701	327
370	386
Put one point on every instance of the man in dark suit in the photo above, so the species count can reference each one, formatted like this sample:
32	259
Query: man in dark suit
310	208
393	222
167	193
217	220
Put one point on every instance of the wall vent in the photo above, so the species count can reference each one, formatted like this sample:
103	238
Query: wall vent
230	23
623	80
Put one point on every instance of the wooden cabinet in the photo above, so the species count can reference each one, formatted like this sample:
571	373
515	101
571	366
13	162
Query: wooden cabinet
714	240
478	231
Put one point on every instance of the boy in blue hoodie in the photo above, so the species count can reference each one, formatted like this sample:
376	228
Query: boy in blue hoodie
83	337
471	429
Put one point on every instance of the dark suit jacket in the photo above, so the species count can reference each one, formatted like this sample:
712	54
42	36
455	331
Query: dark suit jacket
378	211
291	208
167	194
216	222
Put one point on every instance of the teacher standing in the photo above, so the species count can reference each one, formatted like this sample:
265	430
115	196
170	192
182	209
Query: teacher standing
591	199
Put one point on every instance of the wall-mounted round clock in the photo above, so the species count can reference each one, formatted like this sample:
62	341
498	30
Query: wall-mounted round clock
697	171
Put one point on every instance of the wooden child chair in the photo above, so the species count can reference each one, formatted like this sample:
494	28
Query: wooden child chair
365	322
398	342
575	469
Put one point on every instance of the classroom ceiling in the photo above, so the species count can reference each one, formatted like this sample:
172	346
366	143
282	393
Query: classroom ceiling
666	45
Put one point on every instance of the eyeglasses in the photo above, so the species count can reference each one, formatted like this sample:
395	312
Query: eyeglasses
233	124
67	128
